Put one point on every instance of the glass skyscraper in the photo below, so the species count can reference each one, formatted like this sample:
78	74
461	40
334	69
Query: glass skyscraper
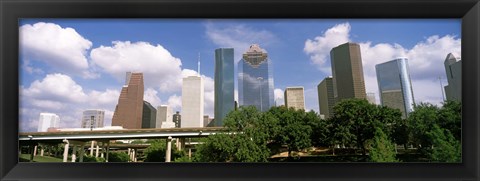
224	84
394	84
255	79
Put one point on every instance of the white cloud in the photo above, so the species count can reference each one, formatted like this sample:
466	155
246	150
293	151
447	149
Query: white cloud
425	59
150	95
238	36
61	48
160	69
60	94
319	48
175	102
279	96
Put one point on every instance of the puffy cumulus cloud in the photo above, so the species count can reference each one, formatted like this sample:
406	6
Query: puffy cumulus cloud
60	94
319	48
55	87
425	59
61	48
150	95
175	102
238	36
159	67
279	96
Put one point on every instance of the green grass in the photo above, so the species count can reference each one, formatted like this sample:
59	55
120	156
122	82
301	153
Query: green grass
26	158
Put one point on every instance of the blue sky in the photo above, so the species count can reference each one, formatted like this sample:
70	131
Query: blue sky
68	65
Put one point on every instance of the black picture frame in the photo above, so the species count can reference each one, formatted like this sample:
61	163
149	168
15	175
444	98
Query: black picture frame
12	10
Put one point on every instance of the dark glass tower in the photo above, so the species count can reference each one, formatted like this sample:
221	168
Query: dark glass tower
224	84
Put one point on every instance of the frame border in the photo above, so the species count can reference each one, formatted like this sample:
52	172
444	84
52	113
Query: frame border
12	10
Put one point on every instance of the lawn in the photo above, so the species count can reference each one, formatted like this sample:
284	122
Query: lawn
38	158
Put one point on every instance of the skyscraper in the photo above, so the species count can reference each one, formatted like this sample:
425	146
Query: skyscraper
255	79
453	68
129	110
192	102
177	119
93	118
294	97
395	87
149	115
326	101
47	120
164	117
224	84
347	72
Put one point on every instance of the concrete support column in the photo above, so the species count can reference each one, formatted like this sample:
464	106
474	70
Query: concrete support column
129	151
103	150
133	155
35	150
82	152
108	150
65	151
74	153
91	148
169	149
42	151
96	152
190	153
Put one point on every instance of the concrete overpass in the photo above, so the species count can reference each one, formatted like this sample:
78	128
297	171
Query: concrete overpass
79	139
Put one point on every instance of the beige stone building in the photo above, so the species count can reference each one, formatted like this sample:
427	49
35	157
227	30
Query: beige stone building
294	97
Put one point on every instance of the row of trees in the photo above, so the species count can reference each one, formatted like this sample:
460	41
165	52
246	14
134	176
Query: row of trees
254	136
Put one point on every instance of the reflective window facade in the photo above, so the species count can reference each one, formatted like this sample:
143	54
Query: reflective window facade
224	84
255	79
395	86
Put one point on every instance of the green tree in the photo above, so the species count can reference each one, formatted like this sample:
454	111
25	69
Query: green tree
382	149
118	157
156	152
248	134
420	122
445	147
450	118
355	120
295	129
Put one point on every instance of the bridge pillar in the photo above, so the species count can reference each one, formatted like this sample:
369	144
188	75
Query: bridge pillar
91	148
74	153
96	152
169	149
108	150
35	150
190	153
82	152
65	151
42	151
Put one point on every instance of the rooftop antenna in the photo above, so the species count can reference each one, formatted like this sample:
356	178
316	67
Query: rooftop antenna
198	64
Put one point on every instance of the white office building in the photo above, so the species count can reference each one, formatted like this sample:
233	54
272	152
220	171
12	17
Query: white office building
93	118
164	117
47	120
192	102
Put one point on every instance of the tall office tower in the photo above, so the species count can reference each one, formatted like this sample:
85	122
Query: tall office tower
47	120
93	118
164	117
326	101
224	84
177	119
294	97
192	102
149	115
371	98
255	79
453	67
129	110
347	72
395	87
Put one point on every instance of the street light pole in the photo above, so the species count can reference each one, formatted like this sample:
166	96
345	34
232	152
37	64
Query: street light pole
441	87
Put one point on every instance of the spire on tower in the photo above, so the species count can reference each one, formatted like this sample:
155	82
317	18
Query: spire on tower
199	64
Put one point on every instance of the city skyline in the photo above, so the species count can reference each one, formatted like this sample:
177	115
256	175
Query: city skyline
93	69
